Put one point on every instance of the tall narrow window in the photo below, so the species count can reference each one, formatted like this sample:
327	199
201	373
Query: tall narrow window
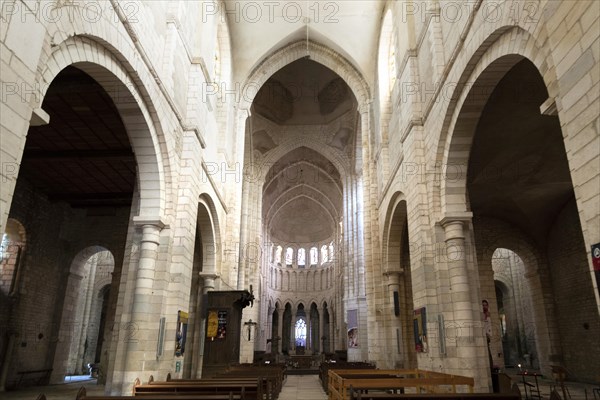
314	256
301	257
324	255
331	256
278	252
301	332
289	256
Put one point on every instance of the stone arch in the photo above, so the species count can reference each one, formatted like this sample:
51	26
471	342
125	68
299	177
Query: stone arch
135	108
492	234
336	157
208	224
394	202
12	248
70	326
295	51
502	49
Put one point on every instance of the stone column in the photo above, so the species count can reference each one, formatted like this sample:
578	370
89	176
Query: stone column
465	325
280	329
321	329
208	286
293	333
396	320
144	314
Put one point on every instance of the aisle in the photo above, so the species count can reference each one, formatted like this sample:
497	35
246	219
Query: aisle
302	387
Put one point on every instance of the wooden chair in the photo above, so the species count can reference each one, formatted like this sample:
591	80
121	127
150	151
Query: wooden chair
554	395
559	374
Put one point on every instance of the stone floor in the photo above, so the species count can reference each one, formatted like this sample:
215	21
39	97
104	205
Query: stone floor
297	387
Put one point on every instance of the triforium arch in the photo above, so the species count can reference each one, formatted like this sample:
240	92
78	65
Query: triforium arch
396	314
135	108
204	274
511	85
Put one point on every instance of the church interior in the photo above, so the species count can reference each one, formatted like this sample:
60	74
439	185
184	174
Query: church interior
190	185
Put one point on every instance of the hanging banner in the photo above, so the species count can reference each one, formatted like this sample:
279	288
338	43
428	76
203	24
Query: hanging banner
420	329
352	328
212	324
181	332
222	327
596	263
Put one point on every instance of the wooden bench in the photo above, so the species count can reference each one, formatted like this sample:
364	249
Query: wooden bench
413	381
357	395
81	395
326	366
247	390
266	389
42	379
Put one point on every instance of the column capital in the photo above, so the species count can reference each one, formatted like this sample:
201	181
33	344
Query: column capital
157	221
455	217
394	276
454	223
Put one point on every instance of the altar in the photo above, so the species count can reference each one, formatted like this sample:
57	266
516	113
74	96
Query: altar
301	361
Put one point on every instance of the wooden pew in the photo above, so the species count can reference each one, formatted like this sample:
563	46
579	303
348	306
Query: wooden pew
81	395
326	366
417	381
357	395
266	389
249	390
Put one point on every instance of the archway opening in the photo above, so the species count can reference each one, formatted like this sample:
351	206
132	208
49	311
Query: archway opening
204	270
76	187
515	319
399	316
518	185
84	314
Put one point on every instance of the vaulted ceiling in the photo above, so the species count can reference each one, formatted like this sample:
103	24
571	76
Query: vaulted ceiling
348	27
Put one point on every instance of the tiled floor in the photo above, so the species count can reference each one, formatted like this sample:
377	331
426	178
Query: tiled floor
302	387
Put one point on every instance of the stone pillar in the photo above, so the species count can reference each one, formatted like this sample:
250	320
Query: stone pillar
466	328
293	332
396	320
144	313
321	329
280	329
208	286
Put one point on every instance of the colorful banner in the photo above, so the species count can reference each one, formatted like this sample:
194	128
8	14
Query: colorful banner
222	327
212	325
420	329
181	333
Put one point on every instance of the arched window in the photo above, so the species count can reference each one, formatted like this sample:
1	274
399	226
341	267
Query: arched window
331	256
301	332
301	257
324	255
289	256
387	58
314	256
278	252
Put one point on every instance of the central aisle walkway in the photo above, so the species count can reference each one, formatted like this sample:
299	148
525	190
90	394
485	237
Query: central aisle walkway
302	387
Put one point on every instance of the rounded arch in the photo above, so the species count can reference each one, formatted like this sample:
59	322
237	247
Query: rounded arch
295	51
208	224
132	100
502	49
395	201
335	156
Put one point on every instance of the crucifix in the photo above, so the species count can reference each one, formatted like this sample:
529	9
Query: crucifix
250	324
